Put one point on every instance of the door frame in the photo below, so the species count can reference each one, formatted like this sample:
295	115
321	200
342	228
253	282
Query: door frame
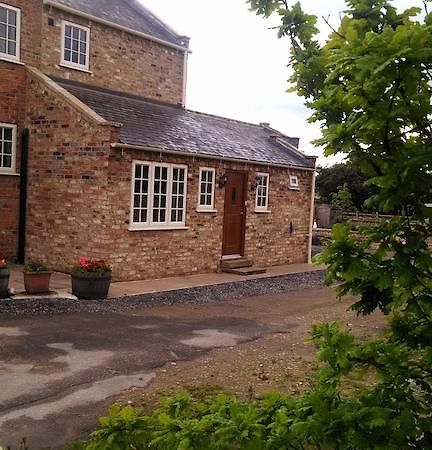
244	174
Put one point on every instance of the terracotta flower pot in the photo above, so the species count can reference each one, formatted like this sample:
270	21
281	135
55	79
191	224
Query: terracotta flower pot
91	285
37	282
4	283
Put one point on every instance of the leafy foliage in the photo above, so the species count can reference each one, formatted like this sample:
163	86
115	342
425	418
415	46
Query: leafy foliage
330	179
384	415
369	85
342	199
36	266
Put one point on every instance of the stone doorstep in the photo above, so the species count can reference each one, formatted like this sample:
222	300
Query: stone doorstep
246	270
235	263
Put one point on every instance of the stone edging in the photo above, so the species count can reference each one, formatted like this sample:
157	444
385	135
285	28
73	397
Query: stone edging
193	295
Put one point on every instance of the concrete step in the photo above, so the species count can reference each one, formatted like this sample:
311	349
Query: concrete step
235	263
246	270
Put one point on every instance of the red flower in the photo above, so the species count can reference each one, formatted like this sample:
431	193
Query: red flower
93	265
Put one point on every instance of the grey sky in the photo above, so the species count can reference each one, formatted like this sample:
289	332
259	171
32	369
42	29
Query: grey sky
238	67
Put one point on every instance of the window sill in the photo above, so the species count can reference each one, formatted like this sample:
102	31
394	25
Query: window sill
158	228
11	60
291	188
267	211
80	69
200	210
9	174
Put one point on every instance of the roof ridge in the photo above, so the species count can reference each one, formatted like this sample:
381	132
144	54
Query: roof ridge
158	102
144	11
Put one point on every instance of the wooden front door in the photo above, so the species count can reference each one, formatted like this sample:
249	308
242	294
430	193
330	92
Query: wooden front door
234	214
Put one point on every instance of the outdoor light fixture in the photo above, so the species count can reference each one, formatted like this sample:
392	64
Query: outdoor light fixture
254	184
223	180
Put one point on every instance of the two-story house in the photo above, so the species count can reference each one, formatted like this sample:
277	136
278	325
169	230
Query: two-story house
99	157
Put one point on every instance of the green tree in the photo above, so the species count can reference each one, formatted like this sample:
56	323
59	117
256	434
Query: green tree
369	86
329	180
342	199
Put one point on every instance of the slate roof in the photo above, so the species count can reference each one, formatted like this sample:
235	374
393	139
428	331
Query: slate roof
156	125
130	14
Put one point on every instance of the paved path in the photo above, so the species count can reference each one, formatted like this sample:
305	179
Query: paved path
59	374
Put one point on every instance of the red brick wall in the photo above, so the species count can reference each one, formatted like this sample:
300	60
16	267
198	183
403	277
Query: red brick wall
67	197
79	203
12	109
118	60
156	254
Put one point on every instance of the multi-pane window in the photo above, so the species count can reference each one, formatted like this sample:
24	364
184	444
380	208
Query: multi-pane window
262	186
159	195
76	46
7	147
10	23
206	189
141	194
178	194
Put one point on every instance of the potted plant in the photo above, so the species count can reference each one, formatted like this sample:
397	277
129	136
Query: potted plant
4	278
91	279
36	277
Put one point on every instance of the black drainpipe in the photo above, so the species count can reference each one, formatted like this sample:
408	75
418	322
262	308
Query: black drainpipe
23	195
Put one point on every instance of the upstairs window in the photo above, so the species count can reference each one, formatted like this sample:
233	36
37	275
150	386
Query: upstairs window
158	196
206	189
10	32
75	46
7	148
262	186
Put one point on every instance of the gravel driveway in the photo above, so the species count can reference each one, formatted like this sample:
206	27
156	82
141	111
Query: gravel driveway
59	374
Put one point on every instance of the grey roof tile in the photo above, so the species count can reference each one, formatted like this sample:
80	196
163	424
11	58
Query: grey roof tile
130	14
151	124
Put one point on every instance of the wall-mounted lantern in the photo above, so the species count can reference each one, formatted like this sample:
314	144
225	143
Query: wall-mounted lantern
254	184
223	180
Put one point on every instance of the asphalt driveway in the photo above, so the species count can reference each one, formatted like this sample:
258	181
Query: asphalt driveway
59	374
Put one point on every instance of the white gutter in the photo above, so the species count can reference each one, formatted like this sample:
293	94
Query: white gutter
203	155
311	217
185	75
108	23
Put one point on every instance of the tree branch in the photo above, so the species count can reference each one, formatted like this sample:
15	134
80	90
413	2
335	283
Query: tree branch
333	29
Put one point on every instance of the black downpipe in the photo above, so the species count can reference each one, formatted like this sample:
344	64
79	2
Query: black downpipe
23	195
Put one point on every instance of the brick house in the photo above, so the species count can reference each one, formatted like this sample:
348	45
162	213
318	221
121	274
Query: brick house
99	157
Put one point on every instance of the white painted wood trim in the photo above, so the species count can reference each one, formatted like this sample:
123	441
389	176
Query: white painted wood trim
149	224
17	57
206	208
71	65
262	209
11	170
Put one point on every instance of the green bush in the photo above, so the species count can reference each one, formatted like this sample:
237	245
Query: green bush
391	413
36	266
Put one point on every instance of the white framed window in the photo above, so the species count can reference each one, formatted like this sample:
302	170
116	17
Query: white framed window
75	48
158	196
8	138
294	182
262	188
206	189
10	32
